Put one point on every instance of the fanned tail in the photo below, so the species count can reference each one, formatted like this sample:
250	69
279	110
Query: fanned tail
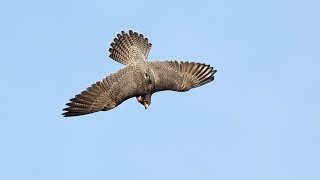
129	47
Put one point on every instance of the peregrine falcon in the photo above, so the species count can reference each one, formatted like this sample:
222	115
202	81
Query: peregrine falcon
139	78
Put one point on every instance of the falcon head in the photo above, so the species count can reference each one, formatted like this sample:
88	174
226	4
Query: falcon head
145	100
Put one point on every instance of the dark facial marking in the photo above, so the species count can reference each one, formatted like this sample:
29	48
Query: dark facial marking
148	77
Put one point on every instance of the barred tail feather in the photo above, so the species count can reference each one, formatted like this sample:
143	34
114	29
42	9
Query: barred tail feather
129	47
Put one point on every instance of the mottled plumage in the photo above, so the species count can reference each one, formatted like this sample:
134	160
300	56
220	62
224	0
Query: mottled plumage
139	78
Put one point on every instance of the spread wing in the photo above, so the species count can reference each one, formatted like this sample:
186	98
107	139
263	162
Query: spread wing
105	94
180	76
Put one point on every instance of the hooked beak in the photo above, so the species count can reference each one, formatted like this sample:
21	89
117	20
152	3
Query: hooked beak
146	105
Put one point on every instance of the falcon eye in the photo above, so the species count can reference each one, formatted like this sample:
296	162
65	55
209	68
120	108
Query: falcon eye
146	75
149	81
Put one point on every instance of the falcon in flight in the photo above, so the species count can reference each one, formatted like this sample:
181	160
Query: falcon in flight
139	78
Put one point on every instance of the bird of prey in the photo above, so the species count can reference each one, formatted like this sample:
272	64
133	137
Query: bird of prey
139	78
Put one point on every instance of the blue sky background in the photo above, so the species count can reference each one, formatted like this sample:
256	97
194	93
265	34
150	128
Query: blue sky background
260	118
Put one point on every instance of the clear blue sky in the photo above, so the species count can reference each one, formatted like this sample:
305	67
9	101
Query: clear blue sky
260	118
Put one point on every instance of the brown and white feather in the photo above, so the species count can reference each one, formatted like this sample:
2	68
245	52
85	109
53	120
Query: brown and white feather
105	94
130	47
180	76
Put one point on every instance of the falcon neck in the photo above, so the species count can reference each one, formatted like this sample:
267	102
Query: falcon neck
148	77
